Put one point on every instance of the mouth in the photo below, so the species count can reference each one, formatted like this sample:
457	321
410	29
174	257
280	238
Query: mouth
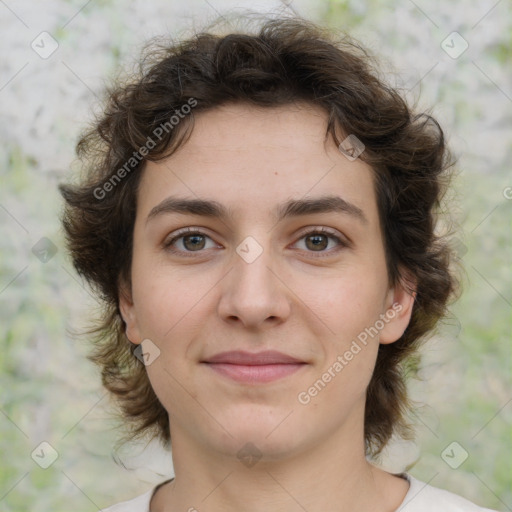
253	368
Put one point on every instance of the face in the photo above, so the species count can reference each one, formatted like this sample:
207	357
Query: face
282	251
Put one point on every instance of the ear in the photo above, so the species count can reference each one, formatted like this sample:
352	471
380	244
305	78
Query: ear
129	315
399	304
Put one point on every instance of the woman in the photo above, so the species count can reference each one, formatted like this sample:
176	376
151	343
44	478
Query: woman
259	217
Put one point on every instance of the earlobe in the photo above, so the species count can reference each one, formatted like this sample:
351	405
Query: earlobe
128	314
400	306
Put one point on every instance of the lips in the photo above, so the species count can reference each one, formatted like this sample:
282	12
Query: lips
254	368
240	357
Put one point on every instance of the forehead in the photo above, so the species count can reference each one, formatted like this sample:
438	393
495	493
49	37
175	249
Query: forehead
252	158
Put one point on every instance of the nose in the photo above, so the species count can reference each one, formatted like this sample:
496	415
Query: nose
253	294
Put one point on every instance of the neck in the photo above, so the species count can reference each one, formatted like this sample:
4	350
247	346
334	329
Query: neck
332	475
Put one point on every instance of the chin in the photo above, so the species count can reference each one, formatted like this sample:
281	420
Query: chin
260	440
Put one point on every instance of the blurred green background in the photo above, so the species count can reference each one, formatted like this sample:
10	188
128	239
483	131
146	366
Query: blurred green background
50	393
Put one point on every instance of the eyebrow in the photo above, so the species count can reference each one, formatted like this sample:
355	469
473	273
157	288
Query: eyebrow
291	208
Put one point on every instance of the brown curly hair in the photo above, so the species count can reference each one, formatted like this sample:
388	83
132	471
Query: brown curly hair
284	61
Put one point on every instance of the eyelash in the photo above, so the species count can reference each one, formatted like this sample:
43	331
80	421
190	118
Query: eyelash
167	245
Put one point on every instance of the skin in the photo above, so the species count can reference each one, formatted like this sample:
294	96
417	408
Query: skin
302	300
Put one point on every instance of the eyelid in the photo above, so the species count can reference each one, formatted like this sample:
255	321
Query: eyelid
324	230
180	233
342	240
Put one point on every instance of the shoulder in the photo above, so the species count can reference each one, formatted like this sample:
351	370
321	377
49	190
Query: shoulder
422	497
138	504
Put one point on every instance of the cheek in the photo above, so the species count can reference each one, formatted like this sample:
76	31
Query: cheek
353	302
163	299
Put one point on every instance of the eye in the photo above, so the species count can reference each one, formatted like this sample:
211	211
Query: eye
318	240
188	240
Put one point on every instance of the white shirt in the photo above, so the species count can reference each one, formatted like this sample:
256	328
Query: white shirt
421	497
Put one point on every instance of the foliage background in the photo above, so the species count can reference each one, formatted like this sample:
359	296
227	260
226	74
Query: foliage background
48	390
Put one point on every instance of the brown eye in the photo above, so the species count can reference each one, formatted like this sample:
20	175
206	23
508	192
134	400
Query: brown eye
188	241
194	242
317	242
322	241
